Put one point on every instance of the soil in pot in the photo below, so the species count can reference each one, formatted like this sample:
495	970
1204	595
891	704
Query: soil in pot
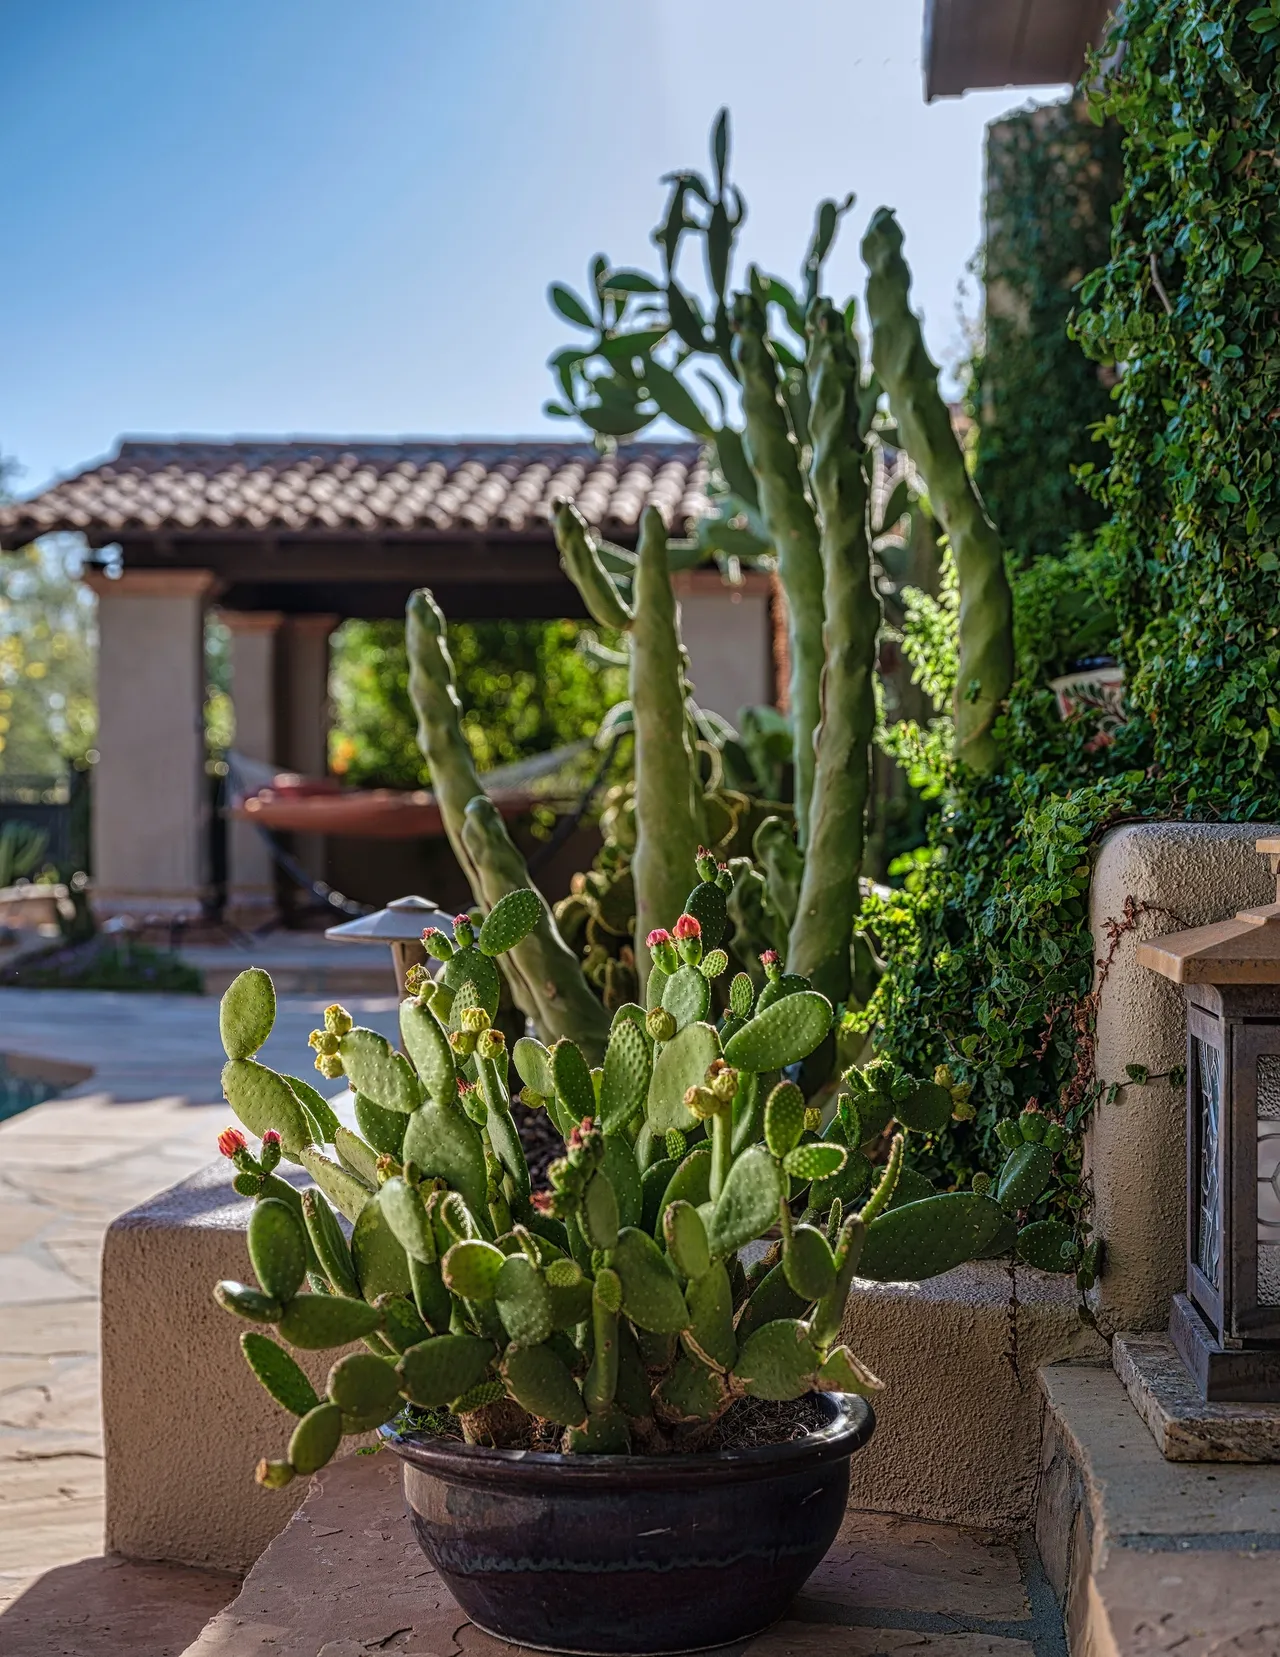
632	1554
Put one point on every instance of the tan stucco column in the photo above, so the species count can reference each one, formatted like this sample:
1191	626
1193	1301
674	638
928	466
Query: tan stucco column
150	796
726	630
251	900
304	714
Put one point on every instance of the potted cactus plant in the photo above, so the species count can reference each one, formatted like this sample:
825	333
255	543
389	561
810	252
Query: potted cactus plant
638	1368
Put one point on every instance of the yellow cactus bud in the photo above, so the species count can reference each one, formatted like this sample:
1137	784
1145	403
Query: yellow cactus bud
812	1119
722	1080
474	1019
703	1103
337	1020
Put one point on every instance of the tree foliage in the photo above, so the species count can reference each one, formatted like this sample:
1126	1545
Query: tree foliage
526	687
48	712
1052	177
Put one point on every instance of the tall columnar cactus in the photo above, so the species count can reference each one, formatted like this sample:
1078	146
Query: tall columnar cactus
819	945
788	485
612	1311
545	975
775	460
910	377
668	798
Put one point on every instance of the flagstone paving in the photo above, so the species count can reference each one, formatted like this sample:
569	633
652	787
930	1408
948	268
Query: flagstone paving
346	1578
147	1118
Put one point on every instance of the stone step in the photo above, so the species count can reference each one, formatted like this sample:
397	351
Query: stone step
346	1577
112	1607
1151	1556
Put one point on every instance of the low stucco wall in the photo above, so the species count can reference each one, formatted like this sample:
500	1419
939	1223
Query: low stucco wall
184	1420
1186	874
958	1425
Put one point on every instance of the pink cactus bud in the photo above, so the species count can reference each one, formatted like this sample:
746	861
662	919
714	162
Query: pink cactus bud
271	1137
658	936
231	1140
464	1086
688	926
462	920
769	958
543	1201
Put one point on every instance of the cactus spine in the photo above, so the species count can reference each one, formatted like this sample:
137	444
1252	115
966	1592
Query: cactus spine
819	944
986	603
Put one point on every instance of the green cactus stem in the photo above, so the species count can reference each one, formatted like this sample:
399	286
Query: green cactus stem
986	605
789	516
822	932
546	977
580	561
668	808
669	825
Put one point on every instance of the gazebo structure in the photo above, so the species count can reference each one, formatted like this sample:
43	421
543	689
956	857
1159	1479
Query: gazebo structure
288	538
972	44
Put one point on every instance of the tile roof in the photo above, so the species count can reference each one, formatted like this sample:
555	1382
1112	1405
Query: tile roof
327	487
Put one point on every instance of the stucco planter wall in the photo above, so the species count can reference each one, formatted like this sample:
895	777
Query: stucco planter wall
1179	875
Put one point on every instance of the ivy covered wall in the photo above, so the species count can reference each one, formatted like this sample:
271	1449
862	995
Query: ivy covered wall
1188	306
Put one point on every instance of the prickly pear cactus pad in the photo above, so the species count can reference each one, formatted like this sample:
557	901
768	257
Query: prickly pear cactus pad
609	1312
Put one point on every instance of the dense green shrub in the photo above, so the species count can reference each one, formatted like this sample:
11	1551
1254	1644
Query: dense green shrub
989	937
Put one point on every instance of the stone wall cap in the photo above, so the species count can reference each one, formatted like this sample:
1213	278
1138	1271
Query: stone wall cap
1242	950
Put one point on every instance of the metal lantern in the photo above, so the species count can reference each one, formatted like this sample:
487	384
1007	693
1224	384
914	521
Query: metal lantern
1226	1326
400	925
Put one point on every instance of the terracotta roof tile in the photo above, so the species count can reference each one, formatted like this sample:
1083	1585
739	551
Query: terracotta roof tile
258	487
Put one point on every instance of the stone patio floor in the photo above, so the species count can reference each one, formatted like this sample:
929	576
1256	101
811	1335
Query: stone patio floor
148	1118
346	1578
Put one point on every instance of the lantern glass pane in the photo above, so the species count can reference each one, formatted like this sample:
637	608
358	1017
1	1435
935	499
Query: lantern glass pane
1208	1085
1268	1094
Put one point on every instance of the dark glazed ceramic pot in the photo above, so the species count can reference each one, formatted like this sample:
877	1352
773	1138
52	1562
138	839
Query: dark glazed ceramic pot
630	1554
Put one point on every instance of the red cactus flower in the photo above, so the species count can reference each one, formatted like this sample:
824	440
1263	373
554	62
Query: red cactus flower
769	958
231	1140
688	926
543	1201
271	1137
462	920
464	1086
702	852
658	936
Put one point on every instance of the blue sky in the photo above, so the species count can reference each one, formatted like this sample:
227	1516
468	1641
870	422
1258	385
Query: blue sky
330	217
